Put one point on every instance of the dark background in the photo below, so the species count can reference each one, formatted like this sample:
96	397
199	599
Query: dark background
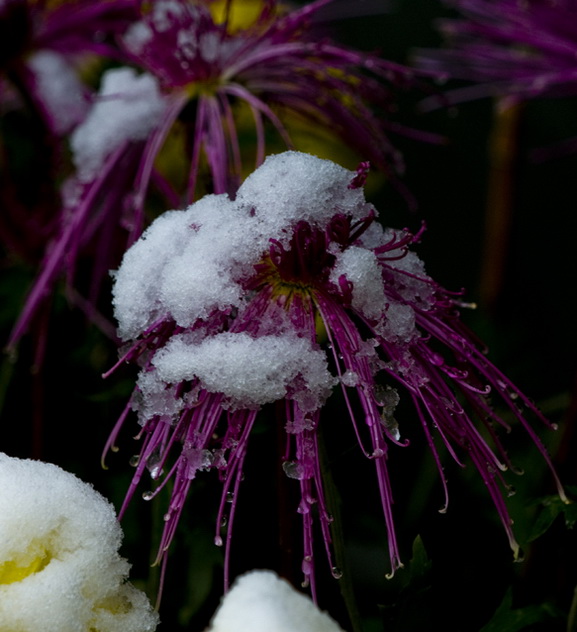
526	296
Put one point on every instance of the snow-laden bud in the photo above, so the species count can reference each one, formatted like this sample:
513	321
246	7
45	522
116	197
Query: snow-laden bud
260	601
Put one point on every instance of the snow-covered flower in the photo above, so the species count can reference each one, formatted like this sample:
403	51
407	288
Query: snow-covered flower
60	570
201	79
288	292
260	601
507	48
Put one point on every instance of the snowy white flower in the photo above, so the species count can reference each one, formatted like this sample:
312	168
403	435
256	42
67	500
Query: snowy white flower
260	601
60	570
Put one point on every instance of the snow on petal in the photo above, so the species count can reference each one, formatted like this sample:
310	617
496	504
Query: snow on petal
127	108
59	89
293	186
361	267
249	371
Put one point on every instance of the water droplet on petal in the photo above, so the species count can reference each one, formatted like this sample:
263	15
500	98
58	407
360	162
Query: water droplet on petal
336	572
147	495
134	460
218	540
437	359
293	469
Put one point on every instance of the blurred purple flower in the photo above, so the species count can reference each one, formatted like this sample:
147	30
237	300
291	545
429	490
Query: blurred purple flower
41	99
508	48
284	294
39	44
197	73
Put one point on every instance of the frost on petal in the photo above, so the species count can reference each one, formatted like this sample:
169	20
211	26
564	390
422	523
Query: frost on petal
249	372
153	398
260	601
60	570
127	108
166	12
59	89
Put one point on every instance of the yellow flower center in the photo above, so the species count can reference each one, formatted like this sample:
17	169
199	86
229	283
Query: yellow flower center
25	564
242	15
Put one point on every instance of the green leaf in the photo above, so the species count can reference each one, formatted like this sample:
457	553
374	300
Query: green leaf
551	508
410	594
506	619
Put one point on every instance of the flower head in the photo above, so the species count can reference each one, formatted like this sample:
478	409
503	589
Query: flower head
197	78
285	294
277	61
60	570
522	49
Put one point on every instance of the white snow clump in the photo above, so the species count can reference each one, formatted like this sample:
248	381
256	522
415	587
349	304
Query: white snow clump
190	263
60	90
361	267
260	601
127	108
256	371
60	570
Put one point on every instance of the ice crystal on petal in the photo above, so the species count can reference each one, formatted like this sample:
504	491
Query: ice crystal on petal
285	294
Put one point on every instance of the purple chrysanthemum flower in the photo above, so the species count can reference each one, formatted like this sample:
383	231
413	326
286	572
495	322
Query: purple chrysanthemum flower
197	73
279	60
39	45
519	49
288	292
43	48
